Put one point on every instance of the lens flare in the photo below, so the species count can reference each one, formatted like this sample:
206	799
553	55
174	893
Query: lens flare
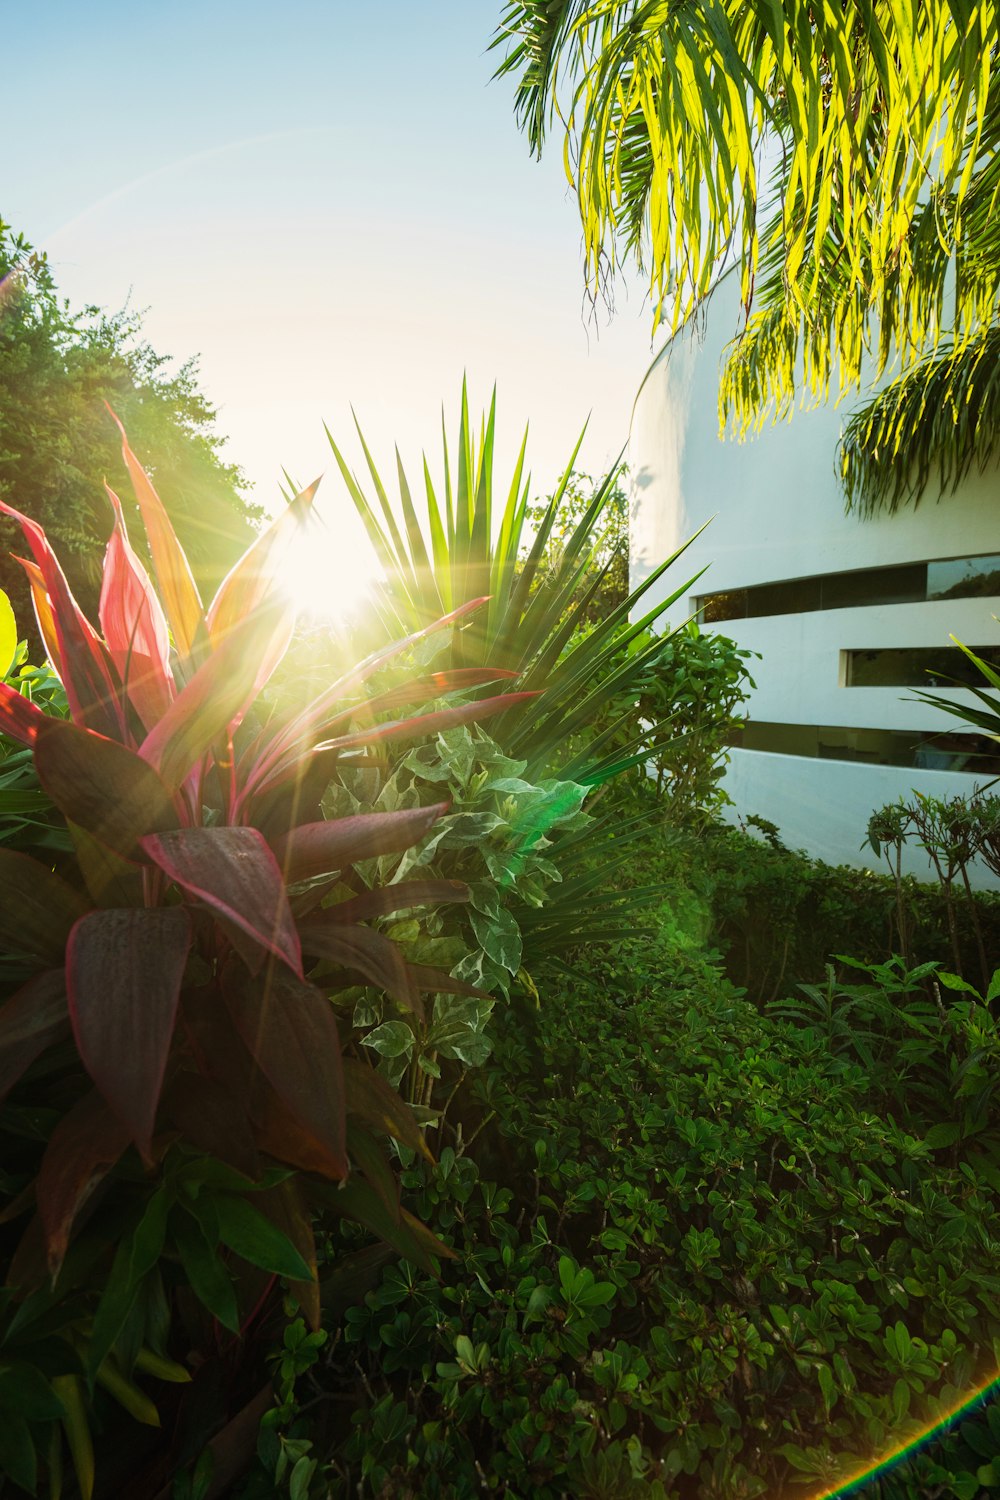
938	1428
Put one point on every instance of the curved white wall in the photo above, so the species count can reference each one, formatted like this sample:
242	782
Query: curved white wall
778	512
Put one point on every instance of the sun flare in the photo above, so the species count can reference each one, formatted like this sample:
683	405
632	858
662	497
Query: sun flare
330	570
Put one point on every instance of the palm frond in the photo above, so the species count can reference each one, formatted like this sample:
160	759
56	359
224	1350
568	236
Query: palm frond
927	431
886	119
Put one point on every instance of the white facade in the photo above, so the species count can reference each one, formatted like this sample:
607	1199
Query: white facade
777	512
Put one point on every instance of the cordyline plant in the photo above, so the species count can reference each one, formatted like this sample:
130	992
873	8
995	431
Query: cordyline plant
183	952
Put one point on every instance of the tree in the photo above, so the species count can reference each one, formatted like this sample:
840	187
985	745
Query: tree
877	237
609	545
58	442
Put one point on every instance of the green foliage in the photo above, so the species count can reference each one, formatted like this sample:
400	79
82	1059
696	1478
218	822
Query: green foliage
699	1256
778	917
57	368
529	624
610	553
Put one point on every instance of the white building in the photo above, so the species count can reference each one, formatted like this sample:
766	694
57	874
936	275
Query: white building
846	613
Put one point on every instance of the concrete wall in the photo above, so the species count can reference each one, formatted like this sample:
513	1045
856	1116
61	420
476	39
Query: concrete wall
776	511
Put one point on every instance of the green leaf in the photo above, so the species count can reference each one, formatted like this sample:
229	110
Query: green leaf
391	1039
207	1276
8	635
244	1229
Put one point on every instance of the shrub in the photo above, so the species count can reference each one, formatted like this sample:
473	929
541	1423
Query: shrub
695	1260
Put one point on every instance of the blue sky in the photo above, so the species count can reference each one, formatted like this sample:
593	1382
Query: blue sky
331	204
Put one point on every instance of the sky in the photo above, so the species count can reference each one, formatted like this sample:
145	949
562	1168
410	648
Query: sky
331	205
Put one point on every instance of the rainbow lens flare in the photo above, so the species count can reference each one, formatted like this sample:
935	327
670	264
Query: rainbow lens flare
939	1428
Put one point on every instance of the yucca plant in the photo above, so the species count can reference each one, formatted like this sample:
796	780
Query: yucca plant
531	624
178	966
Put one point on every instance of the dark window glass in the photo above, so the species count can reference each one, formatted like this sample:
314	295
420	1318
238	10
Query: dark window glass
975	753
905	585
918	666
908	583
728	606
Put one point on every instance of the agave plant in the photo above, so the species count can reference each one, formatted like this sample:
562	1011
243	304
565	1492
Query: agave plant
187	948
532	622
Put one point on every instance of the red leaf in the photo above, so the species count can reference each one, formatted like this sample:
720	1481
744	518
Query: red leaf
425	724
217	695
391	898
85	1144
103	786
134	626
31	1019
319	848
291	1031
365	952
211	1119
260	570
37	908
284	752
124	970
90	687
234	872
375	1101
18	717
173	572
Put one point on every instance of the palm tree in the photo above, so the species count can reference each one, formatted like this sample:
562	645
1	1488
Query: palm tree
843	155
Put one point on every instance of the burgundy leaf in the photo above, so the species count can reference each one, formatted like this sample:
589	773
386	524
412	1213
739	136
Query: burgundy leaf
124	970
365	952
31	1019
85	1144
18	717
425	724
234	872
134	625
37	908
291	1031
217	695
319	848
87	676
374	1101
107	789
387	899
212	1120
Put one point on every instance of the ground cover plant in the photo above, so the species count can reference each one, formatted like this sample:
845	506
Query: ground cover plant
703	1251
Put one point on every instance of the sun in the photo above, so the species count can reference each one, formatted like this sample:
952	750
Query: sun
330	569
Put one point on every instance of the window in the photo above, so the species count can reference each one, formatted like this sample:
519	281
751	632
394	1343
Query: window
917	666
906	583
880	747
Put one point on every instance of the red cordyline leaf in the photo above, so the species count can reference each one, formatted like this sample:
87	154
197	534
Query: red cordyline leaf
363	951
260	570
18	717
320	848
123	976
85	1144
387	899
43	610
91	688
134	625
273	764
37	907
104	787
216	697
290	1030
30	1021
233	871
423	724
173	573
